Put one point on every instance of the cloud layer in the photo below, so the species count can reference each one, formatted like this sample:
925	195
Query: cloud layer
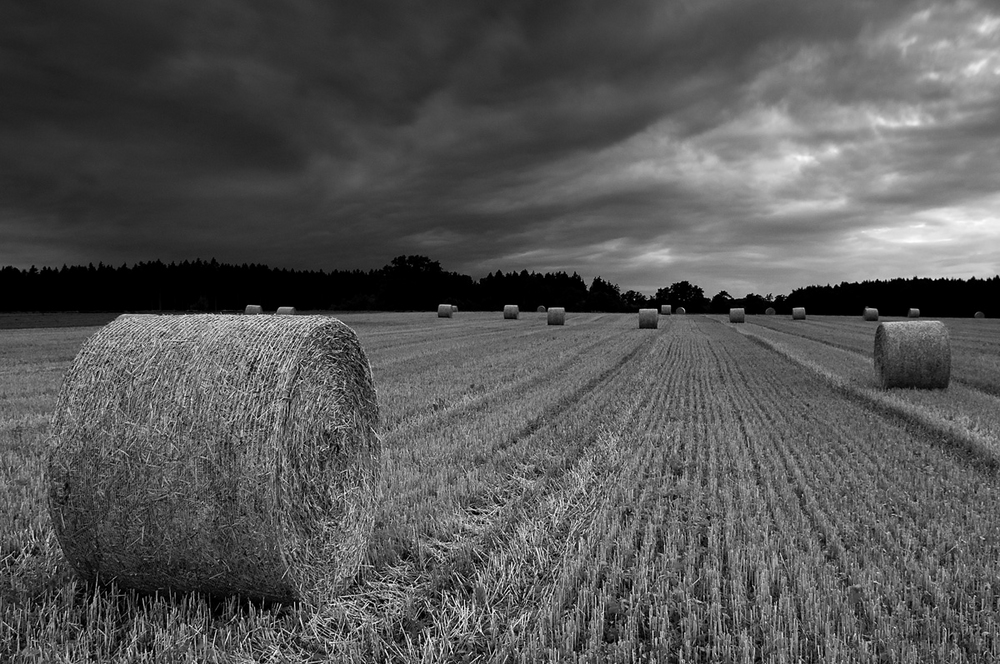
749	145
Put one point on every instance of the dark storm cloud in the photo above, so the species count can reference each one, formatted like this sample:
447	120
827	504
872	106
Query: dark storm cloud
644	141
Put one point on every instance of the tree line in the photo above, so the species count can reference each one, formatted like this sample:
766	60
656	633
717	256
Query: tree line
417	283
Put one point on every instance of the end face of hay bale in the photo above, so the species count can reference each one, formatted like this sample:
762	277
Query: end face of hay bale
557	315
979	314
445	311
913	313
870	314
229	455
913	354
769	311
253	309
798	313
737	315
511	312
540	309
681	310
665	309
648	319
285	311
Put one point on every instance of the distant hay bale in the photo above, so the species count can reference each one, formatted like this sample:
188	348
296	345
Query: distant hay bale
870	314
540	309
913	354
454	308
648	319
665	309
979	314
285	311
681	310
445	311
798	313
913	313
223	454
253	309
769	311
511	312
557	315
737	315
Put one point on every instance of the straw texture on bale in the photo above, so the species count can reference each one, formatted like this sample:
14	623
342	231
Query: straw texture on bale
769	311
445	311
511	312
737	315
913	354
870	314
648	319
681	310
224	454
253	309
665	309
557	315
798	313
285	311
913	313
540	309
979	314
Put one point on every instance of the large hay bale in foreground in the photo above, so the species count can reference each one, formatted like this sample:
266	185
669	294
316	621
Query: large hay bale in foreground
913	313
979	314
798	313
913	354
769	311
737	315
511	312
230	455
681	310
253	309
557	315
445	311
665	309
285	311
870	314
648	319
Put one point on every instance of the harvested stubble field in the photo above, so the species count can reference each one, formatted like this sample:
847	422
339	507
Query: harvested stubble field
593	492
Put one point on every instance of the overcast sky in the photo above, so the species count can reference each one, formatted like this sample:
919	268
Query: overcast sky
752	146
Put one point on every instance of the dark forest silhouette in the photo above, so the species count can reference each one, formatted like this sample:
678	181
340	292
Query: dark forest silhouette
417	283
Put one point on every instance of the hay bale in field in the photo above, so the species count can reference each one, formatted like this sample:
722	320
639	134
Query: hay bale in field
870	314
979	314
913	313
648	319
798	313
913	354
665	309
285	311
224	454
557	315
445	311
540	309
681	310
737	315
454	308
253	309
511	312
769	311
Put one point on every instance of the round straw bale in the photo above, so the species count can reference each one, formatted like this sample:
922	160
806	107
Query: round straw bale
665	309
511	312
224	454
285	311
454	308
253	309
540	309
798	313
769	311
557	315
913	354
870	314
648	319
737	315
979	314
445	311
681	310
913	313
